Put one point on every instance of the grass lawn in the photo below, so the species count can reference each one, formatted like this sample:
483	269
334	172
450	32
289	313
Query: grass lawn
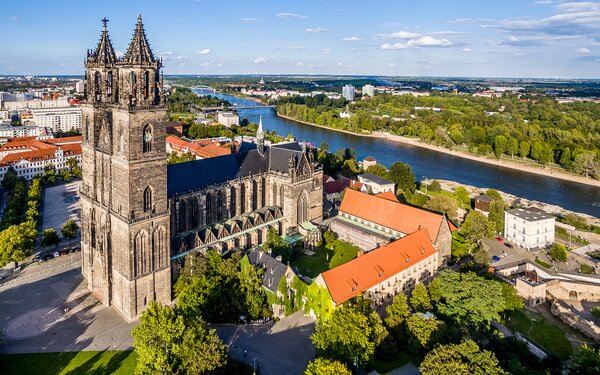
336	253
106	362
544	334
584	268
459	203
542	263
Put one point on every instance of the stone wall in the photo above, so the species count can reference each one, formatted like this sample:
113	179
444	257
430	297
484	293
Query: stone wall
588	327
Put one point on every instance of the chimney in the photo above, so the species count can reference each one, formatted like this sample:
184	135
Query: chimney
278	258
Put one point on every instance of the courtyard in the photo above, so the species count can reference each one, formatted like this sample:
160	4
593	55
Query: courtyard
61	203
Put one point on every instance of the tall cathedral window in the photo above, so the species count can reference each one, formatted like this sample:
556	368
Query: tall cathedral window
148	199
232	201
219	205
194	212
263	192
147	138
243	198
208	208
109	83
254	195
133	80
146	84
97	84
181	213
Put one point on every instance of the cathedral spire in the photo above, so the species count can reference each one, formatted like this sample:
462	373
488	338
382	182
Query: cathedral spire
139	51
260	137
104	52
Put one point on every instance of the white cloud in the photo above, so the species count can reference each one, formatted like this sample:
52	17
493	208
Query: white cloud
299	63
291	16
404	35
351	39
393	46
584	51
326	51
316	29
119	54
205	51
260	60
467	49
166	53
422	41
249	19
543	2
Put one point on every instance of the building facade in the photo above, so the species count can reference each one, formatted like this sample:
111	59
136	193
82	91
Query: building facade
228	119
348	92
368	90
530	228
141	217
58	119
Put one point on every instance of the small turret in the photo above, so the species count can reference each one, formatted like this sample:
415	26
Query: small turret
260	137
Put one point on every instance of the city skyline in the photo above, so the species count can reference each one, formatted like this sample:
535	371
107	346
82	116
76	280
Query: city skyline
507	39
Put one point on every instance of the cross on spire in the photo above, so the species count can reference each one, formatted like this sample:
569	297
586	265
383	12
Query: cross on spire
105	21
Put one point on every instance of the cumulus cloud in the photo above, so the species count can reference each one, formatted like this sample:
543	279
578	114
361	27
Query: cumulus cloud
467	49
121	54
260	60
419	41
205	51
584	51
316	29
351	39
285	15
544	2
403	35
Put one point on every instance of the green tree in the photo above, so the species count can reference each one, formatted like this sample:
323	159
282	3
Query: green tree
423	329
566	160
500	145
50	237
324	366
476	227
378	170
463	195
419	298
443	204
468	299
69	229
345	336
558	252
278	245
168	344
464	358
512	301
494	194
435	186
536	150
586	163
512	147
397	312
252	289
585	361
350	168
496	215
50	173
403	176
10	179
16	242
524	149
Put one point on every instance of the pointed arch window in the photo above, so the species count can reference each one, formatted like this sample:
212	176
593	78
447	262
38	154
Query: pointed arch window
148	199
133	80
97	84
146	84
208	213
243	198
219	205
109	83
147	138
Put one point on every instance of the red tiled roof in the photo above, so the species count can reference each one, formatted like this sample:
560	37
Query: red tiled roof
335	186
389	195
390	214
358	275
64	140
42	154
213	150
210	150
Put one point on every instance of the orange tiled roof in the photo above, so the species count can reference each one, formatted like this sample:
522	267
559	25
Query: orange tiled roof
358	275
209	151
213	150
389	195
42	154
76	138
390	214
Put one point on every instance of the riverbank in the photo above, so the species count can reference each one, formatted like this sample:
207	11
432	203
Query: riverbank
542	171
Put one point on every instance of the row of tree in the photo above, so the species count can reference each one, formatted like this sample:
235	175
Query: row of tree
541	130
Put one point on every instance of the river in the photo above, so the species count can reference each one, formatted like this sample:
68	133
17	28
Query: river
432	164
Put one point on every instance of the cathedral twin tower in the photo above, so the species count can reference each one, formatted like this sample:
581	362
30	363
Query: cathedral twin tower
124	207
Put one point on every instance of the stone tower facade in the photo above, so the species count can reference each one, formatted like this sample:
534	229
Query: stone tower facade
124	207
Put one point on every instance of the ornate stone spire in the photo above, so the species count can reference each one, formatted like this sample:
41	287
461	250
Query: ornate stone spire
104	52
260	137
139	51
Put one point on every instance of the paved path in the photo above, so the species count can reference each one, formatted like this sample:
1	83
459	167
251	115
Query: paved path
280	348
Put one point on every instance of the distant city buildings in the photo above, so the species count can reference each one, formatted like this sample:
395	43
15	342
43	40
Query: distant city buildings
58	119
9	131
348	92
228	119
14	102
368	90
80	87
29	156
530	228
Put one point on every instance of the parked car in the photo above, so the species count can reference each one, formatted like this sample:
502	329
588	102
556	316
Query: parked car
509	245
495	258
499	239
56	254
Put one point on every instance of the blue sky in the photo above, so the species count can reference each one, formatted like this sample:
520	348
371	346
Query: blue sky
432	38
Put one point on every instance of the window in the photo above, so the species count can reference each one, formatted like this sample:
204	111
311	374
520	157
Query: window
147	138
148	199
109	83
146	85
133	80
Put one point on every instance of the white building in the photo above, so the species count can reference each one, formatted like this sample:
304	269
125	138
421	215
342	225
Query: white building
529	228
4	115
373	184
58	119
368	90
14	105
80	86
8	131
228	119
348	92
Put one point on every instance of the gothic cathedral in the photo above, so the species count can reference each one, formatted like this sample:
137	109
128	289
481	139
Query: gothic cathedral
124	207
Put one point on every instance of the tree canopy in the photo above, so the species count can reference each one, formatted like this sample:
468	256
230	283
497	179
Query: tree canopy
465	359
324	366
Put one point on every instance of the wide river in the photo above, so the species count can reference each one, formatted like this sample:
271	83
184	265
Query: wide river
432	164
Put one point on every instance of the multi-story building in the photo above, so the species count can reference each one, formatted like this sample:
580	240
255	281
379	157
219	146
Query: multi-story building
373	184
368	90
530	228
9	131
80	86
58	119
199	150
348	92
384	272
14	105
228	119
29	156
